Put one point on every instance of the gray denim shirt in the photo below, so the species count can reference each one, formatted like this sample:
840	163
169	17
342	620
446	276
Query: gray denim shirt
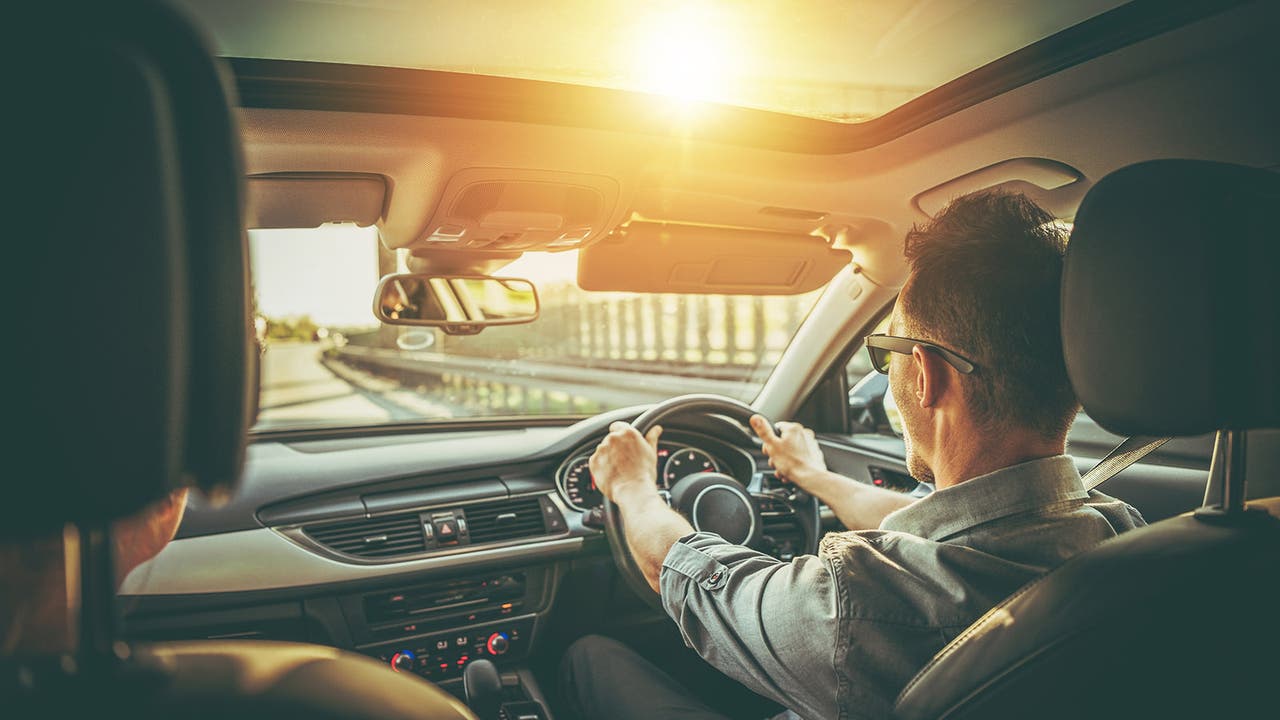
841	633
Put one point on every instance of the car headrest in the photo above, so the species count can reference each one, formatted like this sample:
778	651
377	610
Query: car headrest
132	336
1171	300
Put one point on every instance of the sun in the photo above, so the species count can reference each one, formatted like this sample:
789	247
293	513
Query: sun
683	53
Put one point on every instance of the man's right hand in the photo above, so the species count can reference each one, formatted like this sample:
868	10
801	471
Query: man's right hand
793	453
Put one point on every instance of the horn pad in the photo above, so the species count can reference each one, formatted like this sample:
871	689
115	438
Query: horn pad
714	502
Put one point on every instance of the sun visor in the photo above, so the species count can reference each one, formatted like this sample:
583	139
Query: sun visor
666	257
307	200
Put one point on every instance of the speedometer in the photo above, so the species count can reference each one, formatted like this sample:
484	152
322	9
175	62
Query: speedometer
577	485
687	461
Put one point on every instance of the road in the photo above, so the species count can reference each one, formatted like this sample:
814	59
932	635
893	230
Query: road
299	389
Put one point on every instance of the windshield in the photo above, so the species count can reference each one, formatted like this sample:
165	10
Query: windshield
327	362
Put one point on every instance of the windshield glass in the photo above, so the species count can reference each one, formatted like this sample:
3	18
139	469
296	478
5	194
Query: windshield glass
844	60
327	362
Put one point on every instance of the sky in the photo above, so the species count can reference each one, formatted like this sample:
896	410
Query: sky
331	272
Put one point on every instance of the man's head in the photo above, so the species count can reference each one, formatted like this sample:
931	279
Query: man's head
984	283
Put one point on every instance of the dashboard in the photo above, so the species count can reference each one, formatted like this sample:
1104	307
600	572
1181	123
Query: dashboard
327	541
423	549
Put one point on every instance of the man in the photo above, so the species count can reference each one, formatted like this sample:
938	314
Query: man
976	368
34	614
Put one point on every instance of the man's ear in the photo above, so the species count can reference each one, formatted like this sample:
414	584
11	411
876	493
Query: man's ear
932	378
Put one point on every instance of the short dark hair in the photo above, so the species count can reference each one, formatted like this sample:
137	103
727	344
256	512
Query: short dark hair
985	282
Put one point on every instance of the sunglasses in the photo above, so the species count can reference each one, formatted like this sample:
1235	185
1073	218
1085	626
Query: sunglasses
879	346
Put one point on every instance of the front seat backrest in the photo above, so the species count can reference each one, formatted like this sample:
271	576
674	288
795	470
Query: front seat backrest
1170	320
134	362
132	262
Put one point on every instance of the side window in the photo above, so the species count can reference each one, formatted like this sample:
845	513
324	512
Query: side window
859	364
1088	439
1085	434
871	407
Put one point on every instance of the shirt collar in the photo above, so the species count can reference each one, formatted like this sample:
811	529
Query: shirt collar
1007	491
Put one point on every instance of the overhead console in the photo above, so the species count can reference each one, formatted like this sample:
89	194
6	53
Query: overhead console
507	210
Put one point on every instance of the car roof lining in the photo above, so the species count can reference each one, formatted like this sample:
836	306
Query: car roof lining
1069	117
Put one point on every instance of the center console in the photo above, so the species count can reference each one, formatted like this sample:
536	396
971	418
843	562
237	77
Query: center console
436	629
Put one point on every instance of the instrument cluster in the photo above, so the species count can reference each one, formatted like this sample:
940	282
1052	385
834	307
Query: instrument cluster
675	461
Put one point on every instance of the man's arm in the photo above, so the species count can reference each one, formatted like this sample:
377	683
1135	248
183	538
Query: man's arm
796	457
768	624
624	468
858	505
657	528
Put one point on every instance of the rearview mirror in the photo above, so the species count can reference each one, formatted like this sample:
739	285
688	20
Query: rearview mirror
460	304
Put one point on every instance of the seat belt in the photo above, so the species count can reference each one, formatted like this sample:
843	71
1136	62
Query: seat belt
1126	453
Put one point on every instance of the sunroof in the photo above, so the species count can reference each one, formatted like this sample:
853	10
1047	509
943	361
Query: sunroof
842	61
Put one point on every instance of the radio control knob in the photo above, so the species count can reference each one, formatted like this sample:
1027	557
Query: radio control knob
402	661
497	644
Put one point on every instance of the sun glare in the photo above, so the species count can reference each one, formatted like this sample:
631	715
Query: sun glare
544	268
683	53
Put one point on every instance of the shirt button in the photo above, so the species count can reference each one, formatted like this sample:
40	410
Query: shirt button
715	577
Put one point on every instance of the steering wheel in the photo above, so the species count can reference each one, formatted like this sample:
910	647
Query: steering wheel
711	501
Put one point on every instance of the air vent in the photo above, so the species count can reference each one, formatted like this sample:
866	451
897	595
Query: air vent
506	520
372	538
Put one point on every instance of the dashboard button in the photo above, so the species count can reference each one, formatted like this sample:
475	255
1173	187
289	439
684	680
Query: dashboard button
447	531
402	661
594	518
497	644
554	519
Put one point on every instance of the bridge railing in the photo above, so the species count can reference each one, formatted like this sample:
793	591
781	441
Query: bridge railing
593	351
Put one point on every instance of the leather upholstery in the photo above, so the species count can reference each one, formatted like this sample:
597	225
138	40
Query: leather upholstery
132	338
1170	304
241	679
1167	621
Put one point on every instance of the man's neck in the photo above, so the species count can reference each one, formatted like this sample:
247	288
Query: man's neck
963	456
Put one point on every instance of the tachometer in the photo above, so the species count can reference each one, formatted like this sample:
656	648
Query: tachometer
687	461
577	485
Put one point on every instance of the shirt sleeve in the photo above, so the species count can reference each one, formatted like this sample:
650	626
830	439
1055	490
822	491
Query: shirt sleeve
768	624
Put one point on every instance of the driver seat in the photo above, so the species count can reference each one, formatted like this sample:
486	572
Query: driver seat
129	231
1171	326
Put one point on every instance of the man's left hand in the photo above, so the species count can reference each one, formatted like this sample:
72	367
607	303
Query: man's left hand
626	463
